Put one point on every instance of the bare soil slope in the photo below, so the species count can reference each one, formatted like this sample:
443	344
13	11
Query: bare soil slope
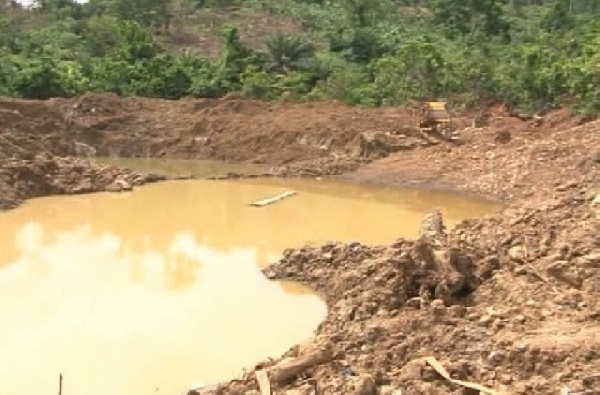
507	159
201	33
234	129
28	128
36	156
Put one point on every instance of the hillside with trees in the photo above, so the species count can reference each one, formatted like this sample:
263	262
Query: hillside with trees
533	54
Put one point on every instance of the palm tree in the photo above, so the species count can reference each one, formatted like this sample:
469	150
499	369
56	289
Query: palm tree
286	53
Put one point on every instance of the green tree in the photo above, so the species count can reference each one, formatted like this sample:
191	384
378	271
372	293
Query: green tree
415	70
285	53
257	83
465	16
557	18
364	13
145	12
357	44
42	78
162	76
234	60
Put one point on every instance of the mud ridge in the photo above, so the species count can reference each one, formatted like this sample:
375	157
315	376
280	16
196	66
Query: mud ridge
22	179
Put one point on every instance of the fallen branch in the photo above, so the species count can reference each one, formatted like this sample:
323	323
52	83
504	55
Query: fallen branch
292	367
467	384
264	202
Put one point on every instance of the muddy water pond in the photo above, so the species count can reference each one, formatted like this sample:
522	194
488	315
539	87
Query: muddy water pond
176	167
151	291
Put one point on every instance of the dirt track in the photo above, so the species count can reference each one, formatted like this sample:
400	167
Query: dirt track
510	301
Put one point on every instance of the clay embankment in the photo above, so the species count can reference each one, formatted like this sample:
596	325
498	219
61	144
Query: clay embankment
238	130
507	159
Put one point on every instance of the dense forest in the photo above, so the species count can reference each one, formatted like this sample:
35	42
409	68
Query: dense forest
534	54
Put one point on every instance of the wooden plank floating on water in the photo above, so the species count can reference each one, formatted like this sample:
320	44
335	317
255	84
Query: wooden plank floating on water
271	200
263	382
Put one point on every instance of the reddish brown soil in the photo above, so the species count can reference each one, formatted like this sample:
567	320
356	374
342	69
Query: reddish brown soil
231	129
508	159
528	325
517	306
36	140
201	33
22	179
28	128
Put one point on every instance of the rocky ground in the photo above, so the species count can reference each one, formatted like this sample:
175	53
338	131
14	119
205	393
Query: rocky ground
37	157
22	179
506	158
510	301
513	306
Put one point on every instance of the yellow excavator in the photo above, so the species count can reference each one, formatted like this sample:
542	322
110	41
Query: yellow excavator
434	116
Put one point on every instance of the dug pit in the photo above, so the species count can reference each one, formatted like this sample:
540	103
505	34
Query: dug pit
154	290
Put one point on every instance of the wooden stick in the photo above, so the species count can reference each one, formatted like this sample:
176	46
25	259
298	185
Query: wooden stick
444	373
60	380
264	202
292	367
263	382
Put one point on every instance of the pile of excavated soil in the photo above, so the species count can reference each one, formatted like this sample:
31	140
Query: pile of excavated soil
22	179
510	301
238	130
35	138
508	159
517	309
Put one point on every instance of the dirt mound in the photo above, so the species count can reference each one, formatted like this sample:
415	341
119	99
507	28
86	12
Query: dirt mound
237	129
22	179
34	135
103	105
511	301
522	320
507	159
31	127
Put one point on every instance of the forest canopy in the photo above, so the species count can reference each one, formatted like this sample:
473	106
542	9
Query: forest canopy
534	54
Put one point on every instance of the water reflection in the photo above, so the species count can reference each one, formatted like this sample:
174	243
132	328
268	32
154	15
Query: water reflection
119	321
161	287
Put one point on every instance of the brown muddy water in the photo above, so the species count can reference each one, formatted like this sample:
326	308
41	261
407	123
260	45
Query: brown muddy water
177	167
151	291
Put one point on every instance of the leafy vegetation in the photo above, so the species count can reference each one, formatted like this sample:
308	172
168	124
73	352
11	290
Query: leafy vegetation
536	54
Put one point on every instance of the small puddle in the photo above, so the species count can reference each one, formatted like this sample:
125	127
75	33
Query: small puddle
151	291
